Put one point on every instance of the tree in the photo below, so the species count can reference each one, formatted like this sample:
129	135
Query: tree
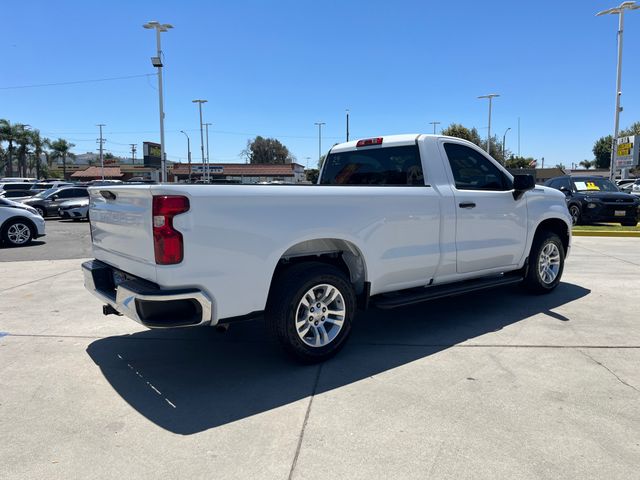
40	146
560	166
8	134
460	131
262	150
520	162
602	152
311	175
587	164
634	129
62	149
23	140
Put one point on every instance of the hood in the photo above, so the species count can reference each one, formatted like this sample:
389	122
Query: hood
608	196
11	204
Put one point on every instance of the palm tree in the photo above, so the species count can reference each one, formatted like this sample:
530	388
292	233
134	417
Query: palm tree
8	133
23	139
39	147
587	164
62	149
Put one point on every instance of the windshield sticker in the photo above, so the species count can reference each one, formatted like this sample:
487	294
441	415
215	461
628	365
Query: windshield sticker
592	186
581	185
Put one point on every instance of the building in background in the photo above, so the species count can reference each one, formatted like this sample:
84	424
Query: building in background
240	172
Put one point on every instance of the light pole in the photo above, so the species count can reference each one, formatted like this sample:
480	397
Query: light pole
188	152
319	124
504	139
157	62
619	10
206	125
204	166
434	126
491	96
347	124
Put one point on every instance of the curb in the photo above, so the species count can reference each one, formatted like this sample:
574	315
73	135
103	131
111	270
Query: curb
604	233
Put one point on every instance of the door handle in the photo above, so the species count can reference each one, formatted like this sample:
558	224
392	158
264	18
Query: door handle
467	205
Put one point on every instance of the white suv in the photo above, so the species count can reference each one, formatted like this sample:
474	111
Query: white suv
19	223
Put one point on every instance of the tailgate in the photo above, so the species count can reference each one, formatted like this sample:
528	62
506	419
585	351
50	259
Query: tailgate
121	228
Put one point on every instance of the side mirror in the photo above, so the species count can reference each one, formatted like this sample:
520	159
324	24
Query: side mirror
521	184
566	191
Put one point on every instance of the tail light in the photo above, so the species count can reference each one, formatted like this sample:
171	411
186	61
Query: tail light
167	241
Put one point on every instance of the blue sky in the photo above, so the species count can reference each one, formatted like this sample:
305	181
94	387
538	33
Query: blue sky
274	68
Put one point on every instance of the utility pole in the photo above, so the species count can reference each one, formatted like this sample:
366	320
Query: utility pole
206	125
101	142
629	5
434	126
504	140
157	62
490	96
133	153
205	167
347	124
319	124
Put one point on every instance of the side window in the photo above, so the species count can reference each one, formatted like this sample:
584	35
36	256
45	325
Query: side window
555	183
473	171
399	166
566	182
68	193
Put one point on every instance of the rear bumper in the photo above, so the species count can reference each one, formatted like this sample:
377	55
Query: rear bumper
145	302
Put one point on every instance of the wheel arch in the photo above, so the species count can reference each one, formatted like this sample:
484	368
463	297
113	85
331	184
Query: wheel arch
341	253
557	226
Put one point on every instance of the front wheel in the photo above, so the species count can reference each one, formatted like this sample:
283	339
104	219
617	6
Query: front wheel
17	233
310	310
546	263
575	212
41	211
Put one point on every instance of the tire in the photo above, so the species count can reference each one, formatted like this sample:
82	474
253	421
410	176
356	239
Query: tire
41	211
290	309
576	213
546	246
629	224
17	233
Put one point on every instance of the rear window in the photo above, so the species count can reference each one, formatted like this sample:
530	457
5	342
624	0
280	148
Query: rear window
399	166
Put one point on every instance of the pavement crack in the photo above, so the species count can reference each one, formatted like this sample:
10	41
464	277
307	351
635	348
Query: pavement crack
304	423
39	279
609	370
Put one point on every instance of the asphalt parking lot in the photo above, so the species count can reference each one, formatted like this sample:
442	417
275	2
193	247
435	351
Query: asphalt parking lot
498	384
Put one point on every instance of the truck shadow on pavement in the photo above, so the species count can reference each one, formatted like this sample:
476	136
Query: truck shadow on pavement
190	380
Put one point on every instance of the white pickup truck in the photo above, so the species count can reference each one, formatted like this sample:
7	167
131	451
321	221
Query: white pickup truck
393	221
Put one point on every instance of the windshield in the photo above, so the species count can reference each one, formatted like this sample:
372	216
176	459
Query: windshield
595	185
46	193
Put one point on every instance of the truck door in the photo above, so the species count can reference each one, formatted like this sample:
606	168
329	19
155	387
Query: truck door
491	226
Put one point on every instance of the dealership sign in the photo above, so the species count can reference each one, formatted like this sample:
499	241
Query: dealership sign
213	169
627	149
151	152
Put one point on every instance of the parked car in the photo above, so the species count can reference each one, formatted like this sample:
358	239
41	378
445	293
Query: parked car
395	221
48	202
4	187
596	199
17	179
48	185
19	223
75	209
18	195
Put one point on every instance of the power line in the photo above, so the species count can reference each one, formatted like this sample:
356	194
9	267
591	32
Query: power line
76	82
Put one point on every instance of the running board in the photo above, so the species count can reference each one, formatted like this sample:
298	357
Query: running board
409	297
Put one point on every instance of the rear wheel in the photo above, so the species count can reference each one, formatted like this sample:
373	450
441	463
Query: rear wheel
310	310
546	263
17	233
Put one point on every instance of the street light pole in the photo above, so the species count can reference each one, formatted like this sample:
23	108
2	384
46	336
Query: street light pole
347	125
207	137
504	139
434	126
188	152
319	124
490	96
157	62
204	165
619	10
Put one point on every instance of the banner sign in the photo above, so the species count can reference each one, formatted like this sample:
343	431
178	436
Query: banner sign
151	152
627	149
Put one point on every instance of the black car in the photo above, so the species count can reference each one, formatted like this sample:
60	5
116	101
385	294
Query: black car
596	199
48	202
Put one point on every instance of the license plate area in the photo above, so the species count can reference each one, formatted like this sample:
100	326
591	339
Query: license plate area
620	213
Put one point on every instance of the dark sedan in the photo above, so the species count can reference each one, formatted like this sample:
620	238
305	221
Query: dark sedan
48	202
597	199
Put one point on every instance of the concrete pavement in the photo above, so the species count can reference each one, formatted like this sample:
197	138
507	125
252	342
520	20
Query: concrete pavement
498	384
